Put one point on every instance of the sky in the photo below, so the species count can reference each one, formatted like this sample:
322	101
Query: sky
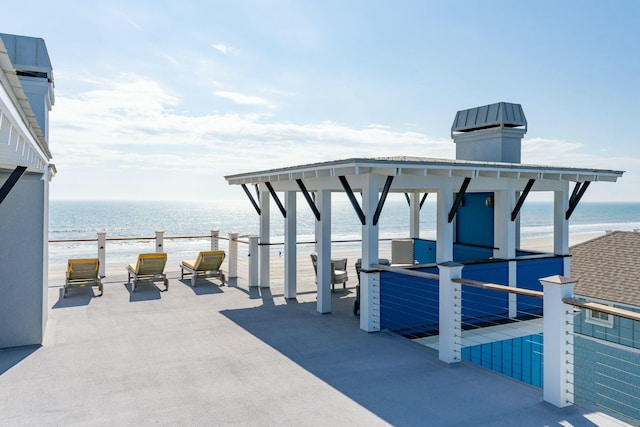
160	100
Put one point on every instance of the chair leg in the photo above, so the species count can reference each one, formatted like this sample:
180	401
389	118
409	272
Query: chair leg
193	280
166	284
133	284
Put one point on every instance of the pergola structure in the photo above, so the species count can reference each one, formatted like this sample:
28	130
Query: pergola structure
374	178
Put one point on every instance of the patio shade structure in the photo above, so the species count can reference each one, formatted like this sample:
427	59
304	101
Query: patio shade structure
492	133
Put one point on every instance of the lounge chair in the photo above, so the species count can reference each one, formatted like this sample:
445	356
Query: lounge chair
206	265
148	267
82	272
338	271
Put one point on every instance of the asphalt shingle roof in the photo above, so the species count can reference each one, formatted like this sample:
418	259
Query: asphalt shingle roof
608	267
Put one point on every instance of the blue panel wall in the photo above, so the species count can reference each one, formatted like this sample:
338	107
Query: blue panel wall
462	252
474	220
519	358
529	273
482	305
409	305
424	251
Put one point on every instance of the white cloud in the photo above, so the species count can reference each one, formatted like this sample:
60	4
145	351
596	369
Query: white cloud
224	49
132	128
242	99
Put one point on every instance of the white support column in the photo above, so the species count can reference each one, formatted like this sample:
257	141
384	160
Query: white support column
414	215
265	238
323	239
215	244
370	283
450	309
505	238
233	255
558	341
561	226
102	240
159	241
254	261
290	248
444	245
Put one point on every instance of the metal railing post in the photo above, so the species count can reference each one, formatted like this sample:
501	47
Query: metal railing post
233	254
214	240
558	341
159	241
102	239
450	307
254	261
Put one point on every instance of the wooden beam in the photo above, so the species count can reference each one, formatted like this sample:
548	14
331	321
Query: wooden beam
458	201
523	196
11	182
352	199
578	192
283	211
253	201
424	197
308	198
614	311
383	198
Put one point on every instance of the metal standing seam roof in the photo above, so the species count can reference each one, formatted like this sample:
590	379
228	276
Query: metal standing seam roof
501	114
424	166
607	267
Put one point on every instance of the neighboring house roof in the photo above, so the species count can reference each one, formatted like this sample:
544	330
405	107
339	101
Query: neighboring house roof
607	267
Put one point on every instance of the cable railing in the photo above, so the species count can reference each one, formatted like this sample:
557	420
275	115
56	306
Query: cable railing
606	356
502	328
115	253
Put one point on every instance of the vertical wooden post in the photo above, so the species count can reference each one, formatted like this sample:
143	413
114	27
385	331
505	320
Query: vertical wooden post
290	249
450	308
323	237
215	244
233	255
159	241
102	239
254	261
558	341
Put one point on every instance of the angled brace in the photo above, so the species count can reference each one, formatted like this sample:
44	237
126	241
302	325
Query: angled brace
352	199
521	199
276	198
458	201
253	201
578	192
11	182
424	197
383	198
308	198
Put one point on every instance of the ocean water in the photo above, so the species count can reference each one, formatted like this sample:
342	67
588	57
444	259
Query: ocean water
72	220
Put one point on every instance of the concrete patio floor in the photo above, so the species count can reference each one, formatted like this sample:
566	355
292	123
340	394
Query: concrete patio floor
232	356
